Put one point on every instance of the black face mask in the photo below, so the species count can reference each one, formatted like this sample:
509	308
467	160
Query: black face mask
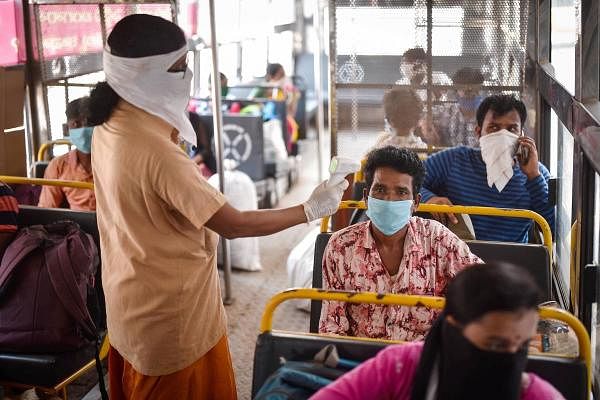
467	372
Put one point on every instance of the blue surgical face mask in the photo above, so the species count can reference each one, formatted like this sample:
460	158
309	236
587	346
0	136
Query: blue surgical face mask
82	138
389	216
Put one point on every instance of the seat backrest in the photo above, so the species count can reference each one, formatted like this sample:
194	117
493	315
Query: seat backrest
39	168
532	257
567	375
315	305
29	215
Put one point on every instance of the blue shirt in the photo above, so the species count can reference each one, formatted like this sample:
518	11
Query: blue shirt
459	174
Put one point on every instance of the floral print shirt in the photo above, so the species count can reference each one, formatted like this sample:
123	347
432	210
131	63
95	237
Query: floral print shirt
432	257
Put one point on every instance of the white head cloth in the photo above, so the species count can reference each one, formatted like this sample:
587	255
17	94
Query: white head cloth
497	151
145	83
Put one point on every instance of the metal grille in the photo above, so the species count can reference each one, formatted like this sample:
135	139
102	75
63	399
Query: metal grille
70	37
470	49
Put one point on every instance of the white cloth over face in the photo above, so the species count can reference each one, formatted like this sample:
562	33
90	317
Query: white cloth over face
146	83
497	151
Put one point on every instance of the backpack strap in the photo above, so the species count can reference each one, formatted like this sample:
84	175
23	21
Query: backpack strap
27	241
60	269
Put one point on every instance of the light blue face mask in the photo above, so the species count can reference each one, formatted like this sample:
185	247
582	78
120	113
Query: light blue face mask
389	216
82	138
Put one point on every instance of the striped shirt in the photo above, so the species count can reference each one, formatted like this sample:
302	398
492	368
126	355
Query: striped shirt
9	209
460	175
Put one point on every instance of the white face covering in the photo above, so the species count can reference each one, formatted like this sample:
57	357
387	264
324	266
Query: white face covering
146	83
497	151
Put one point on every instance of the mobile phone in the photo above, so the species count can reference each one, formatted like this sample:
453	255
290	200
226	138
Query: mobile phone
522	154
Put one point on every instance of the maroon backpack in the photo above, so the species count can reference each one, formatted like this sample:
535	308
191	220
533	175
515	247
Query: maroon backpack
45	277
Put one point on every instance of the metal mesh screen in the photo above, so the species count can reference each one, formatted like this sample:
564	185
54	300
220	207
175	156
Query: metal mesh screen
70	38
451	55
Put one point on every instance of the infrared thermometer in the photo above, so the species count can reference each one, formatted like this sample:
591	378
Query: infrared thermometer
339	168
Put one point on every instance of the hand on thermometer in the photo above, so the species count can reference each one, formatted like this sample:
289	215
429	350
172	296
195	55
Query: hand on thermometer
326	197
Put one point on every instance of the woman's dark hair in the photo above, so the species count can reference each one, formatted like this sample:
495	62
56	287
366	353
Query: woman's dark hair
403	108
135	36
501	104
273	69
399	159
483	288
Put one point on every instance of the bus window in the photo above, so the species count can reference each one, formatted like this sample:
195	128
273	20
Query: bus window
564	172
564	38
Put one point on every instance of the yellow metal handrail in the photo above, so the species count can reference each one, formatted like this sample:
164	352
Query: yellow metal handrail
45	146
46	182
473	210
266	322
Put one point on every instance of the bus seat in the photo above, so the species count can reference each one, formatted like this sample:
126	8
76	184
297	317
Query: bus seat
536	256
538	264
51	371
317	282
568	375
39	168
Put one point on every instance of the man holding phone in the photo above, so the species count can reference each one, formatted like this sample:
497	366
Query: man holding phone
503	172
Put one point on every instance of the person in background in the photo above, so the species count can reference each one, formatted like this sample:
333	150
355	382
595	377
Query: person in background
403	113
9	211
456	122
76	165
414	67
159	222
224	85
477	348
392	253
504	172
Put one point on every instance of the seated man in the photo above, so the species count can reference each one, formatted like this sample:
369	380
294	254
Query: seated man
392	253
403	112
76	165
9	210
491	175
455	122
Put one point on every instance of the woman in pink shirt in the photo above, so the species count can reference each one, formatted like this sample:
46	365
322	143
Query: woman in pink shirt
476	349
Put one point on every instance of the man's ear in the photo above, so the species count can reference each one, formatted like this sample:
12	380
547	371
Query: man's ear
417	200
478	131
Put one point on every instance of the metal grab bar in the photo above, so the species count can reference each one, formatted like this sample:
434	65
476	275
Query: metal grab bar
45	146
46	182
266	322
473	210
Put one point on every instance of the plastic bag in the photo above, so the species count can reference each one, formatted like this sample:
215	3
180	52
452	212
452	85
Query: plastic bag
300	266
241	194
274	146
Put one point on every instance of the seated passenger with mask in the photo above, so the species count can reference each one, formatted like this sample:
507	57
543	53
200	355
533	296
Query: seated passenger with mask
455	122
504	172
76	165
391	253
477	349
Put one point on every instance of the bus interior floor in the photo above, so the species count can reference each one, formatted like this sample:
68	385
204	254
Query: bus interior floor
251	291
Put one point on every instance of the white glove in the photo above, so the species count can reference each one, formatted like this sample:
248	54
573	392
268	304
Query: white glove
324	200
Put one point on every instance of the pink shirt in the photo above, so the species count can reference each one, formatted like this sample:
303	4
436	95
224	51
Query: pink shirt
390	374
432	256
